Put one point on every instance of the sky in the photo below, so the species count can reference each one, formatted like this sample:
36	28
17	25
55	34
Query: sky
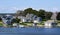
11	6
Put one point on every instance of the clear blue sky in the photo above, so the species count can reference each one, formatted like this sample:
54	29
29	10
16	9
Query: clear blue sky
10	6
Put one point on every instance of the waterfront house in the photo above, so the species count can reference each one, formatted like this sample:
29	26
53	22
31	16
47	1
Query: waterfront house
30	18
7	19
50	23
37	19
22	18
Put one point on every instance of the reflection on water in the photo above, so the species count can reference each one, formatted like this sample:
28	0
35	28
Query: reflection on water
29	31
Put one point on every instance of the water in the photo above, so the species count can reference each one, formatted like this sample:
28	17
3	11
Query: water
29	31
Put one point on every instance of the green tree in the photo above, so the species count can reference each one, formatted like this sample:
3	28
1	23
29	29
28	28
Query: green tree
30	11
41	13
58	16
15	20
48	15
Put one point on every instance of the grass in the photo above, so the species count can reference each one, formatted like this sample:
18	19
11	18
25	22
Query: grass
23	24
27	23
30	23
1	24
58	21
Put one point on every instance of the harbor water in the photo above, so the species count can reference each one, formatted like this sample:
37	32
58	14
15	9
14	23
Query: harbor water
29	31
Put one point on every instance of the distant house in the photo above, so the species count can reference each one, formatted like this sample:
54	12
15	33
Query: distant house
53	17
37	19
30	18
50	23
22	18
7	19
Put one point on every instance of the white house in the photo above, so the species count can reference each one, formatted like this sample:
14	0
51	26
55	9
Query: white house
50	23
22	18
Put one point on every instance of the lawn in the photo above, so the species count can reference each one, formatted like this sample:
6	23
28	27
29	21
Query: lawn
58	21
26	23
31	24
1	24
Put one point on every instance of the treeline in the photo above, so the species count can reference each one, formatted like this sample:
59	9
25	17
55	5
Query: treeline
46	15
41	13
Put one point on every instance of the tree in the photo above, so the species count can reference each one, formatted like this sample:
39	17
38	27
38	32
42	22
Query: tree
15	20
58	16
48	15
41	13
0	19
28	10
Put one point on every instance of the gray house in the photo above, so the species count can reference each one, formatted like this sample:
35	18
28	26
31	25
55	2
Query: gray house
7	19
